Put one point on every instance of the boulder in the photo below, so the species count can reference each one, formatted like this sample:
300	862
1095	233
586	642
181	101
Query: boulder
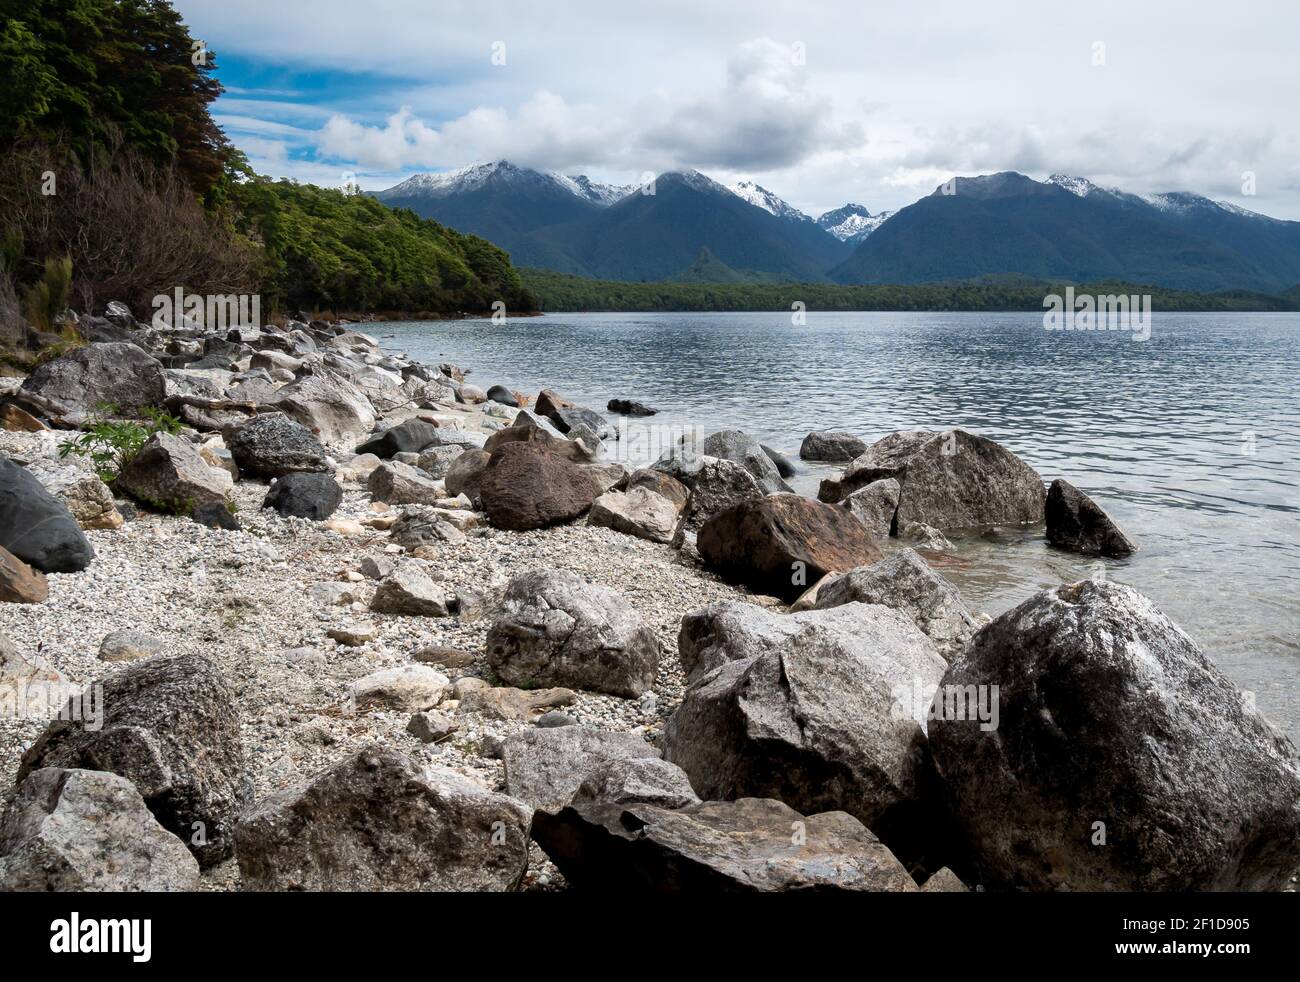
1077	523
408	590
170	474
874	506
450	437
17	420
79	831
545	767
410	688
555	629
379	821
605	477
548	401
640	512
411	436
715	486
88	499
74	387
29	687
1123	759
169	725
944	881
660	483
507	703
437	461
19	583
420	526
824	710
570	420
784	466
273	445
525	486
628	407
748	846
648	780
401	484
499	393
128	645
329	405
783	542
952	479
905	582
465	475
36	527
313	496
743	449
832	447
470	394
431	727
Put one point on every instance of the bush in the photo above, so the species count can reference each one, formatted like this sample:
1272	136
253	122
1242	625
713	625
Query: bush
111	444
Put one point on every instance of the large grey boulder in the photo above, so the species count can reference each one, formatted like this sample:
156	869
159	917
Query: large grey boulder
378	821
170	475
437	461
401	484
648	780
555	629
37	527
546	767
169	725
824	710
272	445
904	581
1077	523
743	449
329	405
79	831
1123	758
951	479
639	511
715	485
748	846
74	387
832	447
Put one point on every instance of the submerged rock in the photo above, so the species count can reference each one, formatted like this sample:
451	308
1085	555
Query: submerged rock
1077	523
836	448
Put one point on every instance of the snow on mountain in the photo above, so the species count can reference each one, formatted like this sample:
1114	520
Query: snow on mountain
852	222
761	197
594	191
466	179
1080	186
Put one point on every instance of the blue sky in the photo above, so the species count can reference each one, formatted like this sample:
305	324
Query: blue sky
821	103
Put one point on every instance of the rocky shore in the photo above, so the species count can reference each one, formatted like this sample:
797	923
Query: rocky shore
345	621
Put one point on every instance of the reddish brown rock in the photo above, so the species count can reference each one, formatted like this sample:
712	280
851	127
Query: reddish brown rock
19	420
781	543
19	583
526	486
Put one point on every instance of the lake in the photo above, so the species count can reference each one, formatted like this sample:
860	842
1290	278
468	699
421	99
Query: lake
1190	439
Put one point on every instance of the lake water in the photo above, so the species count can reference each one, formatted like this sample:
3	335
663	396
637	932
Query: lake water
1191	439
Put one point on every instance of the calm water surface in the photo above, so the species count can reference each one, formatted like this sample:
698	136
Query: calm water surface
1190	439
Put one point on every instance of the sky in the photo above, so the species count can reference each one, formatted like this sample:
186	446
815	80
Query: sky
825	103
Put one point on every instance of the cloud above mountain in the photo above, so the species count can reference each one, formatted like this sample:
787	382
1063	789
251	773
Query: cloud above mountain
822	103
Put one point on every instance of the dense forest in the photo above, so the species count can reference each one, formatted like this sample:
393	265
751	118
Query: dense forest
116	184
557	291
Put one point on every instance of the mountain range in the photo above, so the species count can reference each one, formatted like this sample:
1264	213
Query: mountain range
684	226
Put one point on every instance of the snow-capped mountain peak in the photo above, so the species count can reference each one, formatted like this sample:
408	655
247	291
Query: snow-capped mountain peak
595	191
1079	186
761	197
852	222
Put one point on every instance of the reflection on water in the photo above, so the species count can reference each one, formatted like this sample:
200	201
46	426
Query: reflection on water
1191	439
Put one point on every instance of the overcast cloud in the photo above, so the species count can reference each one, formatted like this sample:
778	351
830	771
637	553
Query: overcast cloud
821	103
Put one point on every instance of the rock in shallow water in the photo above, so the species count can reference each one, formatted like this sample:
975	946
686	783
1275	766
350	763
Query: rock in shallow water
1077	523
837	448
1110	714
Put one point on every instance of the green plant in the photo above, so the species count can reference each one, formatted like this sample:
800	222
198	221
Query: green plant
47	298
111	444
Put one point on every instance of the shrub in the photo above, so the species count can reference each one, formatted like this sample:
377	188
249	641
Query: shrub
111	444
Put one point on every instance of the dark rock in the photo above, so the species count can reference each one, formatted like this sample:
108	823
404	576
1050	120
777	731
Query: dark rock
1077	523
626	407
465	475
1108	713
169	726
525	486
782	543
784	466
747	846
555	718
272	445
568	419
216	515
314	496
377	821
715	486
37	527
499	393
411	436
835	448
